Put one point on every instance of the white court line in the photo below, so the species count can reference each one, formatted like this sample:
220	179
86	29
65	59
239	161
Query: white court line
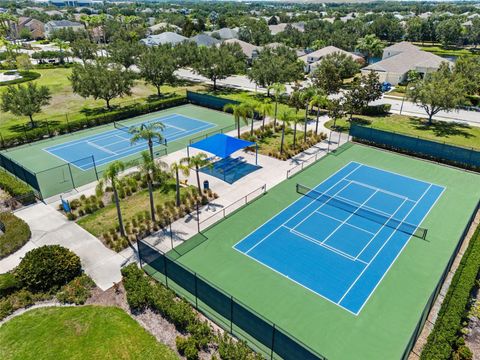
101	148
349	217
381	190
318	242
311	213
174	127
383	226
351	225
401	250
381	248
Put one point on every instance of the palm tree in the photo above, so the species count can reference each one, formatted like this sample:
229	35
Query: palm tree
149	132
62	46
265	108
370	46
285	116
306	96
278	91
238	111
148	168
197	162
318	100
111	175
175	169
249	109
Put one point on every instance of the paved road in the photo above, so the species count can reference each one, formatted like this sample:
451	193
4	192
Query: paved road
243	83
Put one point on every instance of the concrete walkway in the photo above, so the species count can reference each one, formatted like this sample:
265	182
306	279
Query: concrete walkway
49	227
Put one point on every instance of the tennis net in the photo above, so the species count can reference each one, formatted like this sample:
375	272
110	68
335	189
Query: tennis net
363	211
128	129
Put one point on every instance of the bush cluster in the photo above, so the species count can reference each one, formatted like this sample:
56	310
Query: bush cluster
230	349
16	188
142	294
17	233
20	299
8	284
46	129
376	110
47	267
446	340
76	291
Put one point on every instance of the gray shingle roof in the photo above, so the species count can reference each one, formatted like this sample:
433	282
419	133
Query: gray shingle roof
164	38
204	40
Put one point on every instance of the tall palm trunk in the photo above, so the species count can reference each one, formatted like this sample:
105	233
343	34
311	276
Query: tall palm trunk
275	118
305	126
198	179
283	138
119	212
150	148
150	193
294	135
177	187
238	128
318	116
263	120
251	127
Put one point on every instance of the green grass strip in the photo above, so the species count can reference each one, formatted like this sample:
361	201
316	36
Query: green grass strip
442	341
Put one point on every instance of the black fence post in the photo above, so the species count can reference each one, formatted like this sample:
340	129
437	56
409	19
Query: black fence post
71	175
171	233
196	296
165	266
273	341
95	167
139	253
198	218
231	315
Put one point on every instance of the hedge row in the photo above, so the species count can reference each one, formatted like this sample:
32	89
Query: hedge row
16	188
16	234
25	76
446	339
45	129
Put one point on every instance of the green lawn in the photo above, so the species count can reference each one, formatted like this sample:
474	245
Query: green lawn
64	101
385	325
460	134
440	51
104	219
87	332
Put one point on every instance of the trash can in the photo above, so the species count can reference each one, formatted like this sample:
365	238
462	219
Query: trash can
206	185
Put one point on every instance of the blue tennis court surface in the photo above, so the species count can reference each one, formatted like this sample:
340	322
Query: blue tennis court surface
340	239
115	144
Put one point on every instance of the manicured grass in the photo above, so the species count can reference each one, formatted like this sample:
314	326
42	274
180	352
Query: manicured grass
440	51
384	327
64	101
460	134
88	332
106	218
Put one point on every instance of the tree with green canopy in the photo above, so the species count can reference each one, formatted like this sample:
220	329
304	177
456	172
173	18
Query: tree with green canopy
197	162
157	66
370	46
149	132
175	169
25	100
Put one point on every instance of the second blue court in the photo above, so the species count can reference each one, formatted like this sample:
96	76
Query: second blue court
115	144
341	238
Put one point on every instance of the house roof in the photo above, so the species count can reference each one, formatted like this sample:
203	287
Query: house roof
167	37
406	61
327	50
63	23
163	25
401	47
247	48
275	29
226	33
204	40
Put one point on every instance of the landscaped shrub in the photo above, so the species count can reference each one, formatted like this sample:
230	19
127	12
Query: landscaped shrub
8	284
230	349
187	347
137	287
16	188
25	76
443	340
19	300
17	233
76	291
48	267
376	110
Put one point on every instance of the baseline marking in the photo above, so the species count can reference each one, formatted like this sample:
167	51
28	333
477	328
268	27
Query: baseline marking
101	148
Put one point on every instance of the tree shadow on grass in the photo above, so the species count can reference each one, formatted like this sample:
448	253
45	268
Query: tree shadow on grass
442	128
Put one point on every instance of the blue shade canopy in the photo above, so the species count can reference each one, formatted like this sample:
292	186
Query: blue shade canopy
221	145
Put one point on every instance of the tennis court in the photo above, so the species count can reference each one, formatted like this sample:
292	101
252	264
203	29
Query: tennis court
115	144
342	236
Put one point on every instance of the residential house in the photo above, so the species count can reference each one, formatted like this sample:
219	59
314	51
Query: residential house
56	25
224	33
204	40
167	37
401	58
36	27
162	27
251	51
312	59
275	29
